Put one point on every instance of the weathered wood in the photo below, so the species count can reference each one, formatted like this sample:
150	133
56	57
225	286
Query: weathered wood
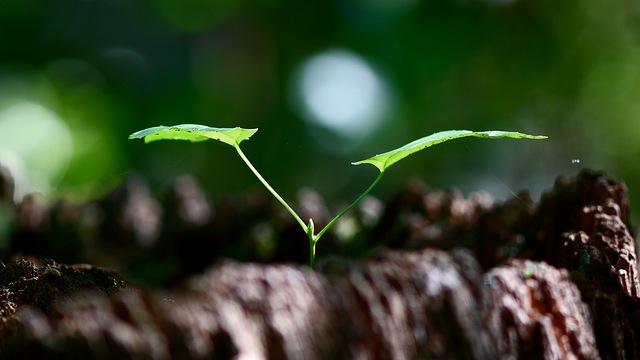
537	313
585	227
406	305
575	298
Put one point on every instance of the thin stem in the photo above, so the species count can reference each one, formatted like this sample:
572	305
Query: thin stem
308	229
312	243
375	182
275	194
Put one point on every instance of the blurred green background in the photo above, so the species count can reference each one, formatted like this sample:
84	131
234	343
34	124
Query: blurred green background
327	83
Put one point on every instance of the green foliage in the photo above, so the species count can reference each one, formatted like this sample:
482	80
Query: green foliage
385	160
234	136
568	67
194	133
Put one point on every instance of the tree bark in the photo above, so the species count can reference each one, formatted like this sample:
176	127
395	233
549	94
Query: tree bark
557	280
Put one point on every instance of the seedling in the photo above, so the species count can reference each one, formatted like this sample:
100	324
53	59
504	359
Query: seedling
234	136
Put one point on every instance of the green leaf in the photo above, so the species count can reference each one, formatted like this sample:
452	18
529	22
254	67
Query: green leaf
194	133
385	160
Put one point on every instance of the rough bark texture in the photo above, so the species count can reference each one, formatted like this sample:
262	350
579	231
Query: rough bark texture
428	304
596	243
474	279
537	313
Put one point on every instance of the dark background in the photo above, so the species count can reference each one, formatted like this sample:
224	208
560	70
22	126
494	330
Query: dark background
77	77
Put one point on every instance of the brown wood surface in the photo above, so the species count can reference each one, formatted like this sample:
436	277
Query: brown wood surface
454	278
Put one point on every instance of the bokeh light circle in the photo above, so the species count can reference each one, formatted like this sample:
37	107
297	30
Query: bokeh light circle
341	92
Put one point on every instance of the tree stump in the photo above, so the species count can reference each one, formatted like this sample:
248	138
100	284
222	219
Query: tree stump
453	278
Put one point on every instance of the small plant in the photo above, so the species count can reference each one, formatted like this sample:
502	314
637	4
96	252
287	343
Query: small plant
234	136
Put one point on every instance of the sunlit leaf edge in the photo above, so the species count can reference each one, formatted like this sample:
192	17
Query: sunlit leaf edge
194	133
385	160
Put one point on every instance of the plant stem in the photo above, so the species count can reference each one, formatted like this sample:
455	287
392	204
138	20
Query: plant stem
275	194
308	229
375	182
312	243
